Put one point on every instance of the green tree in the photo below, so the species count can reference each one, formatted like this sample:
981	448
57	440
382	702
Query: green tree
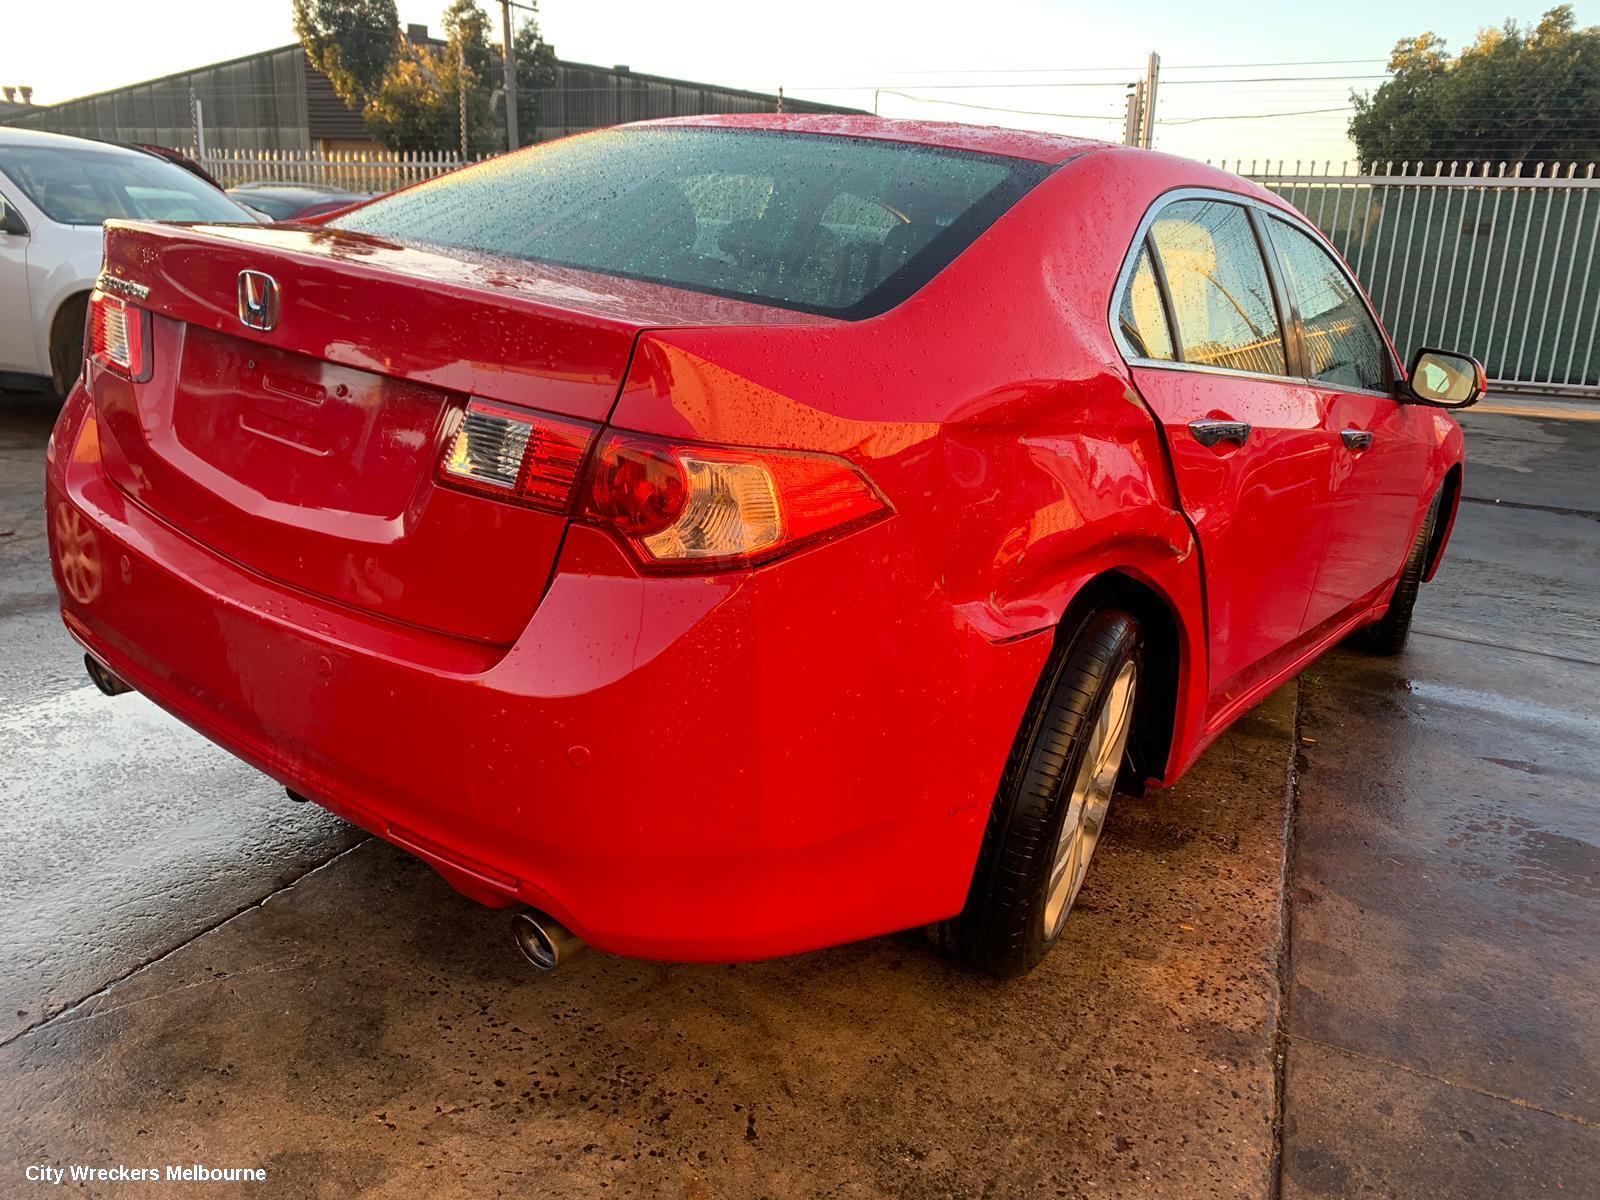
536	73
352	42
428	91
1516	95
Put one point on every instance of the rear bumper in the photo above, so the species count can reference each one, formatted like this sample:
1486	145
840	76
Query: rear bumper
688	768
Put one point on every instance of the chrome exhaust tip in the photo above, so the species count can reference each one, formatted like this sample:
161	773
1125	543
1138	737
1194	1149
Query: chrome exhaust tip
543	940
102	677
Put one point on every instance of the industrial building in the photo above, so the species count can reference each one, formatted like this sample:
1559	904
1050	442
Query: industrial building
277	101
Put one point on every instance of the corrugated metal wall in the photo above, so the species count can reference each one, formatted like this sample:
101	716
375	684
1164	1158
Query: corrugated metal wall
252	103
588	97
277	101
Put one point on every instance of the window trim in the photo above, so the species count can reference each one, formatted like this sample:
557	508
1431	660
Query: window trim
1389	363
1294	345
1279	311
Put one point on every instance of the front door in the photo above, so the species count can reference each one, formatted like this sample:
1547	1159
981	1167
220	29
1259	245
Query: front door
1377	452
17	351
1201	322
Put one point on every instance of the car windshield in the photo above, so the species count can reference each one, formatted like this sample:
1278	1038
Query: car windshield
847	227
86	187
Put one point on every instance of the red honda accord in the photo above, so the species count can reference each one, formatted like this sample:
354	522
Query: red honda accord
732	536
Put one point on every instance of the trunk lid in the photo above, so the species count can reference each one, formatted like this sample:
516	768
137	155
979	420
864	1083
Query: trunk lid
307	452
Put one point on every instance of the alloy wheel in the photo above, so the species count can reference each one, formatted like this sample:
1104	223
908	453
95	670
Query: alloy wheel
1090	799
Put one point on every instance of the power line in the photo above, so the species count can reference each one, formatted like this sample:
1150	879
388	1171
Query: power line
1304	112
1097	83
1027	112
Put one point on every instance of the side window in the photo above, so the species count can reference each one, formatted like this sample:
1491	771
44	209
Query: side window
1141	316
1345	346
1221	298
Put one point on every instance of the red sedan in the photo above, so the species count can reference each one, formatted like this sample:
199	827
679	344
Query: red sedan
727	537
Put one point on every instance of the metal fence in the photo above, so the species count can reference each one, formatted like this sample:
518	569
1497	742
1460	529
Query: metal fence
1492	259
353	170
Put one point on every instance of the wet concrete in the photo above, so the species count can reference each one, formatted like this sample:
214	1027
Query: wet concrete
1444	1014
128	834
197	970
364	1030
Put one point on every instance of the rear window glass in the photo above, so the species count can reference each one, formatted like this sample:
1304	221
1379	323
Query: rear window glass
842	226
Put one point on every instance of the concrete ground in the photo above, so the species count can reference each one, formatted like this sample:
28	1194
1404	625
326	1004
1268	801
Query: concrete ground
196	970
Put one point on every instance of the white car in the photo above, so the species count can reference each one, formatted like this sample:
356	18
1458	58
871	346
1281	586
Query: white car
55	192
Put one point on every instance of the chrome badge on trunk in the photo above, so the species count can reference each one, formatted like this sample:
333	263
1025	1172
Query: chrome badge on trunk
258	300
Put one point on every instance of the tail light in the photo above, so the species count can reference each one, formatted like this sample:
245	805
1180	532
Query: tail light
684	506
526	457
678	506
119	336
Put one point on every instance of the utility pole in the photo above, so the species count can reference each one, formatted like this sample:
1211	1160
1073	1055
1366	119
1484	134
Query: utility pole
1133	119
1152	74
509	59
197	126
461	88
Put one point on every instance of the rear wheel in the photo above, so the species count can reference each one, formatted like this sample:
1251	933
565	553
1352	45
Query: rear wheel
1388	635
1053	801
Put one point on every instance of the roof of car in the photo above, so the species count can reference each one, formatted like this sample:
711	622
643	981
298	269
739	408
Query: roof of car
310	189
1014	143
10	135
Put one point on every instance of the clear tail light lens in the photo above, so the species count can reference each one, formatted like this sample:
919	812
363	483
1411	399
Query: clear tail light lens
526	457
119	336
682	506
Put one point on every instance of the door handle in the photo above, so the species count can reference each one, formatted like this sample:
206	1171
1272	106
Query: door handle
1355	439
1213	432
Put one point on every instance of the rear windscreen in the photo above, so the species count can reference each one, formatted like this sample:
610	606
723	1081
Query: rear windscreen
847	227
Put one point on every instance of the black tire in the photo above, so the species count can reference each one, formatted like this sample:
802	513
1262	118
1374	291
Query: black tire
1001	930
66	344
1387	636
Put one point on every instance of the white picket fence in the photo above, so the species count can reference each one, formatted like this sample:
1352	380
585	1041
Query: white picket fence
352	170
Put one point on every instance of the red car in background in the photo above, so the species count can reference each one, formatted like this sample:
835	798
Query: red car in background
733	536
295	201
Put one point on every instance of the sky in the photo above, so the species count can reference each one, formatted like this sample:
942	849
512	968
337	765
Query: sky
1229	67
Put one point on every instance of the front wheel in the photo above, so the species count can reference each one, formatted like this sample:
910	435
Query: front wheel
1053	801
1387	636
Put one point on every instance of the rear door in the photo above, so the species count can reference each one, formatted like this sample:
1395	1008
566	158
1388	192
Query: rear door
1203	328
1378	455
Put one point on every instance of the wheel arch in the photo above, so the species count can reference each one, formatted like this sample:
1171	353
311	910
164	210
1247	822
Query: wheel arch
1449	502
1167	657
64	308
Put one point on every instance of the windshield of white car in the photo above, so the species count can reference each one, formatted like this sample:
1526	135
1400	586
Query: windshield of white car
87	187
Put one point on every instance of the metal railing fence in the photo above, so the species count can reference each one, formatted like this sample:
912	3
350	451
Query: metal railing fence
353	170
1492	259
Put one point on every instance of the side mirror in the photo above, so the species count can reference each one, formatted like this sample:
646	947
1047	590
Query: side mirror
1446	380
11	220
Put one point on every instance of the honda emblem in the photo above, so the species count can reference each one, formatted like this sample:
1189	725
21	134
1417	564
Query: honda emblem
258	300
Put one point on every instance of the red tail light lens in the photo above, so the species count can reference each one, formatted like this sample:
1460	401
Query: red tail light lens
681	506
527	457
119	336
